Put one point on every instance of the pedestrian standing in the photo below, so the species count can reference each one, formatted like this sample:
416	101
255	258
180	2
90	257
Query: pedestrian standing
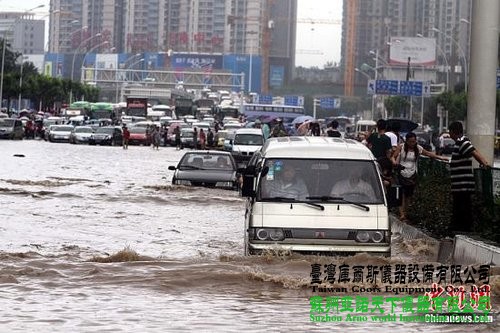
195	138
462	177
379	143
210	138
203	138
126	137
177	134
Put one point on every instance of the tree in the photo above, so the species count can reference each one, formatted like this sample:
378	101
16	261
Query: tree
396	105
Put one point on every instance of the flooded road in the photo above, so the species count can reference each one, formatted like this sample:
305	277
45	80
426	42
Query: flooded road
97	239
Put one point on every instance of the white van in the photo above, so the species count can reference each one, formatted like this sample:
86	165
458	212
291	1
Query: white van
315	195
245	143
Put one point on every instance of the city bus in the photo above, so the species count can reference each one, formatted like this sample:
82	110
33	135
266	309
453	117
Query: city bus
102	110
286	112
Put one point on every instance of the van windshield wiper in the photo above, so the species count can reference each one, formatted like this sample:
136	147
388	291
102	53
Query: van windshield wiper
329	198
285	199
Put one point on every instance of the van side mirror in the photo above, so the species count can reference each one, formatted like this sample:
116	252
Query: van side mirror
171	167
394	196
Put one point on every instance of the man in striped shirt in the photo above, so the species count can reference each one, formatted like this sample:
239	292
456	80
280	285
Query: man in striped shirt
462	177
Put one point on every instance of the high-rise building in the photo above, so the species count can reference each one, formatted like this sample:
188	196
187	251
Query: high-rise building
375	22
23	32
266	28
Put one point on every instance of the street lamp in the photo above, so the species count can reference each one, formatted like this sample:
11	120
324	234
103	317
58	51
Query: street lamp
3	49
85	56
460	50
73	63
131	66
369	78
445	61
21	81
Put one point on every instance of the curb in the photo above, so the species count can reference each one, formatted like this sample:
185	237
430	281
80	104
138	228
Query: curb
462	249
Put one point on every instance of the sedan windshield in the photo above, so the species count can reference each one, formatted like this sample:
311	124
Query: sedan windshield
138	130
207	162
62	129
105	130
83	130
338	181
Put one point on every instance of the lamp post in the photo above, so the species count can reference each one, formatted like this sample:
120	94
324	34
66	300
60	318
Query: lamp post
3	49
445	61
369	78
73	64
21	81
460	50
131	66
85	56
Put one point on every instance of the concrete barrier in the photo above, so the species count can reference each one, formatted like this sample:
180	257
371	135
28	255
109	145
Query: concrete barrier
461	250
472	251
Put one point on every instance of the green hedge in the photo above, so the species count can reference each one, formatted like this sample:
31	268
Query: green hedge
431	209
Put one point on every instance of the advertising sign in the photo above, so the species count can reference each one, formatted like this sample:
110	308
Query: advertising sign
421	51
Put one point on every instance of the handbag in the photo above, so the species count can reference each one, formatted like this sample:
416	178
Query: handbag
407	181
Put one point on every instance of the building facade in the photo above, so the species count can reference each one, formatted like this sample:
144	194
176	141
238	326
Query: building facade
375	22
264	28
23	32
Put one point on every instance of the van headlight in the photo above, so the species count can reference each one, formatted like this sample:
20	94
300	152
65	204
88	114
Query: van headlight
377	236
362	236
268	234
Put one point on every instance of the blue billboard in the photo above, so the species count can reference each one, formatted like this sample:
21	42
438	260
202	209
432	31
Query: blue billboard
276	76
238	63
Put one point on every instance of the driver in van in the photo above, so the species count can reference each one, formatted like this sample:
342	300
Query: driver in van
286	184
353	185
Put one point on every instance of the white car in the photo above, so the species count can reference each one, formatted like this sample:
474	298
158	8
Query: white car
81	134
60	133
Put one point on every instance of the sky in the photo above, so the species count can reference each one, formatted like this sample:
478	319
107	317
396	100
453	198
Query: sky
317	43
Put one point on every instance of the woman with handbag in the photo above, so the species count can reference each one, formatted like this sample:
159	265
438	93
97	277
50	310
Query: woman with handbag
405	159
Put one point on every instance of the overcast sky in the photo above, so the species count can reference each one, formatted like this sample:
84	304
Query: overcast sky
317	43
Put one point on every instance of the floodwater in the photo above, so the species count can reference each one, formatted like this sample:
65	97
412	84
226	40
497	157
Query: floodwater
96	239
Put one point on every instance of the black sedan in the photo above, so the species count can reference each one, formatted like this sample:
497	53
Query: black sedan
107	135
206	168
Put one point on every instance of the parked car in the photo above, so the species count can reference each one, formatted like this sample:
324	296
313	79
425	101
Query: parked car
11	128
60	133
107	135
206	168
81	134
139	136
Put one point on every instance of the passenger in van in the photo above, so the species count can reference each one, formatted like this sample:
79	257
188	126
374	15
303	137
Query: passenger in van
286	184
353	186
222	163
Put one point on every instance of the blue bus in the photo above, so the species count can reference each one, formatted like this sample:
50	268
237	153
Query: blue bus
272	111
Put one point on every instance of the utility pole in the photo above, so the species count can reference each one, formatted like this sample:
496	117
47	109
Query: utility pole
482	93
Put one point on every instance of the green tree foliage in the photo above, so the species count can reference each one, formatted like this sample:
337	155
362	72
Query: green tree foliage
40	89
396	105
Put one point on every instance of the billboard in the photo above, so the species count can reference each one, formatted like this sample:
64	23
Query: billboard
421	51
276	76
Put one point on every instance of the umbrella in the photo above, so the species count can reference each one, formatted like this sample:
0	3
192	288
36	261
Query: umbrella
302	119
406	124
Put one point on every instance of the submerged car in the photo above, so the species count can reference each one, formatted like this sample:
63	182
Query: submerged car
206	168
81	134
60	133
11	128
139	136
107	135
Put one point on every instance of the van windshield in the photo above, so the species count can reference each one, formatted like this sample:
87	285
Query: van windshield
248	140
320	180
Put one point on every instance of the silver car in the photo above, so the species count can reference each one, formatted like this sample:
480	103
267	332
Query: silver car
206	168
60	133
81	134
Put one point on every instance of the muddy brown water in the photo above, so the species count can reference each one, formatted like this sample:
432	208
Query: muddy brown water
64	208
